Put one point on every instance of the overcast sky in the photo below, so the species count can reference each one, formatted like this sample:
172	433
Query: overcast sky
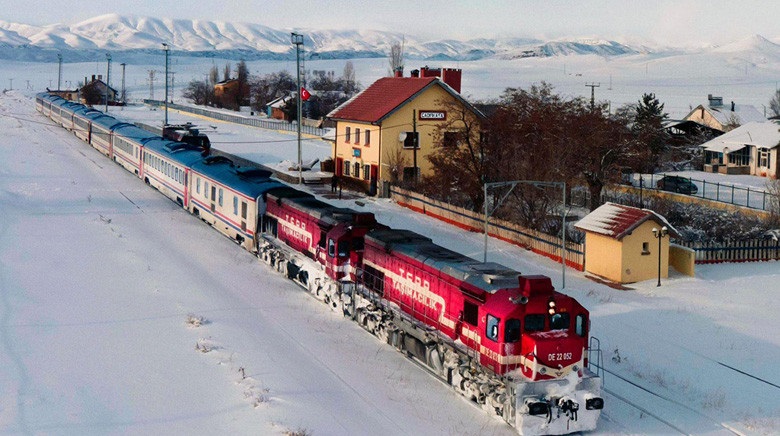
669	22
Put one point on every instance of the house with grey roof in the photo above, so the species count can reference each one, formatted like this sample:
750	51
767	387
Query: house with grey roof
749	149
722	117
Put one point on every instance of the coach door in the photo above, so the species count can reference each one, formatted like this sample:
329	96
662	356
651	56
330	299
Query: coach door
213	197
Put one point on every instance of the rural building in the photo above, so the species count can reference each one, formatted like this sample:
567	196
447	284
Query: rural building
100	87
748	149
229	89
723	118
620	244
67	94
377	128
275	108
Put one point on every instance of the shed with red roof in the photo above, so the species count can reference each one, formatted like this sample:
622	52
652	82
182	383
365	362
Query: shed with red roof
622	246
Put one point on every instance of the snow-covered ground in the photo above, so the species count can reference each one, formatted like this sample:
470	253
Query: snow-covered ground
100	275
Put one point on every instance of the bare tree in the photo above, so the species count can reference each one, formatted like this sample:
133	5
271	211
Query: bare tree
199	92
226	72
214	75
774	103
396	56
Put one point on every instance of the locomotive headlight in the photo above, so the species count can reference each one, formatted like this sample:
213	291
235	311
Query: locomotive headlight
537	407
551	311
595	403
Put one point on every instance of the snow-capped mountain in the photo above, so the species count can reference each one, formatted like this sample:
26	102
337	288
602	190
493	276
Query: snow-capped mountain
144	35
255	41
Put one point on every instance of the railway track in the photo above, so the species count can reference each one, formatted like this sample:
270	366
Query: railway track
673	414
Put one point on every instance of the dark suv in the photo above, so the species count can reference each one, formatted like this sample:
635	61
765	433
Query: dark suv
677	184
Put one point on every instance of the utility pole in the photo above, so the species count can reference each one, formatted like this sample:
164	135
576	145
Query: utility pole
167	50
151	84
124	90
59	71
297	39
108	76
593	87
415	144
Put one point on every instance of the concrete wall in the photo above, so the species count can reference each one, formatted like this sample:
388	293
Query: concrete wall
683	259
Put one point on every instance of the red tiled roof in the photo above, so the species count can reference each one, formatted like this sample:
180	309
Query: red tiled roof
381	98
617	221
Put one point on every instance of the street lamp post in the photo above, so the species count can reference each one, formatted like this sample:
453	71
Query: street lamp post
167	51
660	234
641	200
297	39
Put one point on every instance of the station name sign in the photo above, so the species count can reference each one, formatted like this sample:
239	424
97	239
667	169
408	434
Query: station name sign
433	115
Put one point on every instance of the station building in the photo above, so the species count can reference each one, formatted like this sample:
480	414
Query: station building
386	132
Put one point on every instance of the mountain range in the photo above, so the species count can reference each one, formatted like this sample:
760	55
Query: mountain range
144	35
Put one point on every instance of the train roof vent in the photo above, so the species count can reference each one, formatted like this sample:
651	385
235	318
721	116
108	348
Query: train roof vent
253	173
536	285
212	160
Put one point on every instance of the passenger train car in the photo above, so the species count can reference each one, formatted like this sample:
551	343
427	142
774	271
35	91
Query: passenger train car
509	342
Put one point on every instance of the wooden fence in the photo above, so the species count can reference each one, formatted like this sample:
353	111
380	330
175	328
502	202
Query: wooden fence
738	251
533	240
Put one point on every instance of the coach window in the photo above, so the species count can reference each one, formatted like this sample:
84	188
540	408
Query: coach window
512	330
197	185
491	328
560	321
235	205
243	209
534	323
220	196
213	192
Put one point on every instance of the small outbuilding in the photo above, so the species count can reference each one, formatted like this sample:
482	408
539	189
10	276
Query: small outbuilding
625	244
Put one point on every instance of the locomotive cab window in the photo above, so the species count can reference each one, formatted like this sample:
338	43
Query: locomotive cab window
560	321
580	326
470	313
343	248
323	238
534	323
331	248
512	330
491	328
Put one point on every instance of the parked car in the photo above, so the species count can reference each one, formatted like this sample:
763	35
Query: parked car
677	184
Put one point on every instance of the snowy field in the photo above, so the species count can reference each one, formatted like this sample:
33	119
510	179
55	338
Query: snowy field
101	277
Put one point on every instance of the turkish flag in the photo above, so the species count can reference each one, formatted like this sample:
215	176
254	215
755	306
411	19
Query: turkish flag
305	94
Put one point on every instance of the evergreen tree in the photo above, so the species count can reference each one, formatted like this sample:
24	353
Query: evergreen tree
648	128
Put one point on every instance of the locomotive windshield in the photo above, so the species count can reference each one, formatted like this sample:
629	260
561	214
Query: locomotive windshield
559	321
512	330
534	323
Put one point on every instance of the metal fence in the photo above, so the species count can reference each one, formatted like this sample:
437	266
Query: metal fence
536	241
753	198
255	122
738	251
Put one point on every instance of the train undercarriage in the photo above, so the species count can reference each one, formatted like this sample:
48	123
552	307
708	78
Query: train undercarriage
558	406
